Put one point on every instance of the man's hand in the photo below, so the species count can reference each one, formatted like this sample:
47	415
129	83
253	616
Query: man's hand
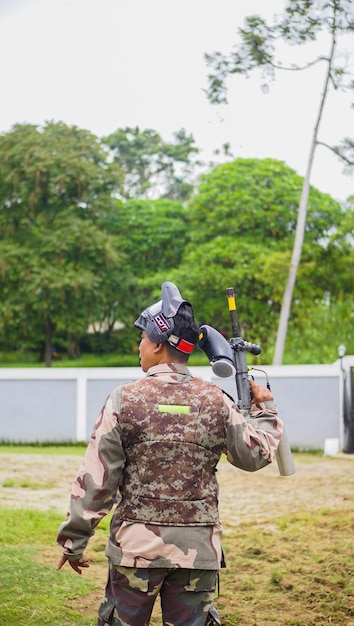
75	565
260	393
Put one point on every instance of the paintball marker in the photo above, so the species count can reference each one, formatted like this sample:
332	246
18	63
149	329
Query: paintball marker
229	358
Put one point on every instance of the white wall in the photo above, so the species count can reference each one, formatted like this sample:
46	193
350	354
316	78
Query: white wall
57	405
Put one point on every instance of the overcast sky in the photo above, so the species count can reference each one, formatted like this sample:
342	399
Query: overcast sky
107	64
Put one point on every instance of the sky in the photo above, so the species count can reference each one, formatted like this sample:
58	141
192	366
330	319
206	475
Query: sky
108	64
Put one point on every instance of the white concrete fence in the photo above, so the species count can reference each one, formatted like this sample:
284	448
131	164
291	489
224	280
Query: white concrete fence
61	405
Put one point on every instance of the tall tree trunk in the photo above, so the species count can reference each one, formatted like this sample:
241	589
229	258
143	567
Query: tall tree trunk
73	348
48	343
300	225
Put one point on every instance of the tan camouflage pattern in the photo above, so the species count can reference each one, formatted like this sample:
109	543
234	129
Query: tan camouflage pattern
250	444
171	457
149	545
186	597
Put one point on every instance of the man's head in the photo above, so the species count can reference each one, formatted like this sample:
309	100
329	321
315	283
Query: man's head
169	325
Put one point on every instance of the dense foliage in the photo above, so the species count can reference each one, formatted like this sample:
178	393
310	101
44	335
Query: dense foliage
75	255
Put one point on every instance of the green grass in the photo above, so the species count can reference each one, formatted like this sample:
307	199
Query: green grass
26	484
77	449
294	569
297	572
31	591
86	360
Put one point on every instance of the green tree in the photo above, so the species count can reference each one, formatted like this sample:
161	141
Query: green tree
152	234
301	23
154	168
56	254
242	223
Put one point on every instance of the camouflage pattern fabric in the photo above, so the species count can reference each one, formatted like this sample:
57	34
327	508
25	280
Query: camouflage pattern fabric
249	444
186	597
149	545
154	453
173	437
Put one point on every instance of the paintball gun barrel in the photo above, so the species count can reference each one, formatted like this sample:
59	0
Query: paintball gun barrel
229	358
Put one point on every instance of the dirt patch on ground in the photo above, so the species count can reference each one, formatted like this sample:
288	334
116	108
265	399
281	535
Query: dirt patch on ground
318	483
37	481
41	481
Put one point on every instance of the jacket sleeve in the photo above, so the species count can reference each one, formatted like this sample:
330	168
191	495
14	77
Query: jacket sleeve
95	487
252	440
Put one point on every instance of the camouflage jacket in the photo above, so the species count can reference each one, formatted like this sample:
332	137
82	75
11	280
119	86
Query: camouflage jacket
161	470
173	437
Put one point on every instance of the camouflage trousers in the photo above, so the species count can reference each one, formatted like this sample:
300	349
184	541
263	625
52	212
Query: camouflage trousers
186	596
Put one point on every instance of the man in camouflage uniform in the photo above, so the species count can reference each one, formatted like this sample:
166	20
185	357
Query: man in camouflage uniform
154	451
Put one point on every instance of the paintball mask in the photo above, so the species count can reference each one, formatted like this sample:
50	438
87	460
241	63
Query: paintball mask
158	319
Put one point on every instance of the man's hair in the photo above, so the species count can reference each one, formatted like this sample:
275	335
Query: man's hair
186	328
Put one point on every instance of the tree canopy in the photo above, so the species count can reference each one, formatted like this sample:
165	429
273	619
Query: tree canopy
154	168
242	224
257	49
56	255
74	254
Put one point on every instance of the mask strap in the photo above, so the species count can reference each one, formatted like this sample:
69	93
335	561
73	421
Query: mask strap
181	344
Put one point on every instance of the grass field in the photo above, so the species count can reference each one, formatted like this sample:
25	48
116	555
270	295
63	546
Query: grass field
290	556
86	360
